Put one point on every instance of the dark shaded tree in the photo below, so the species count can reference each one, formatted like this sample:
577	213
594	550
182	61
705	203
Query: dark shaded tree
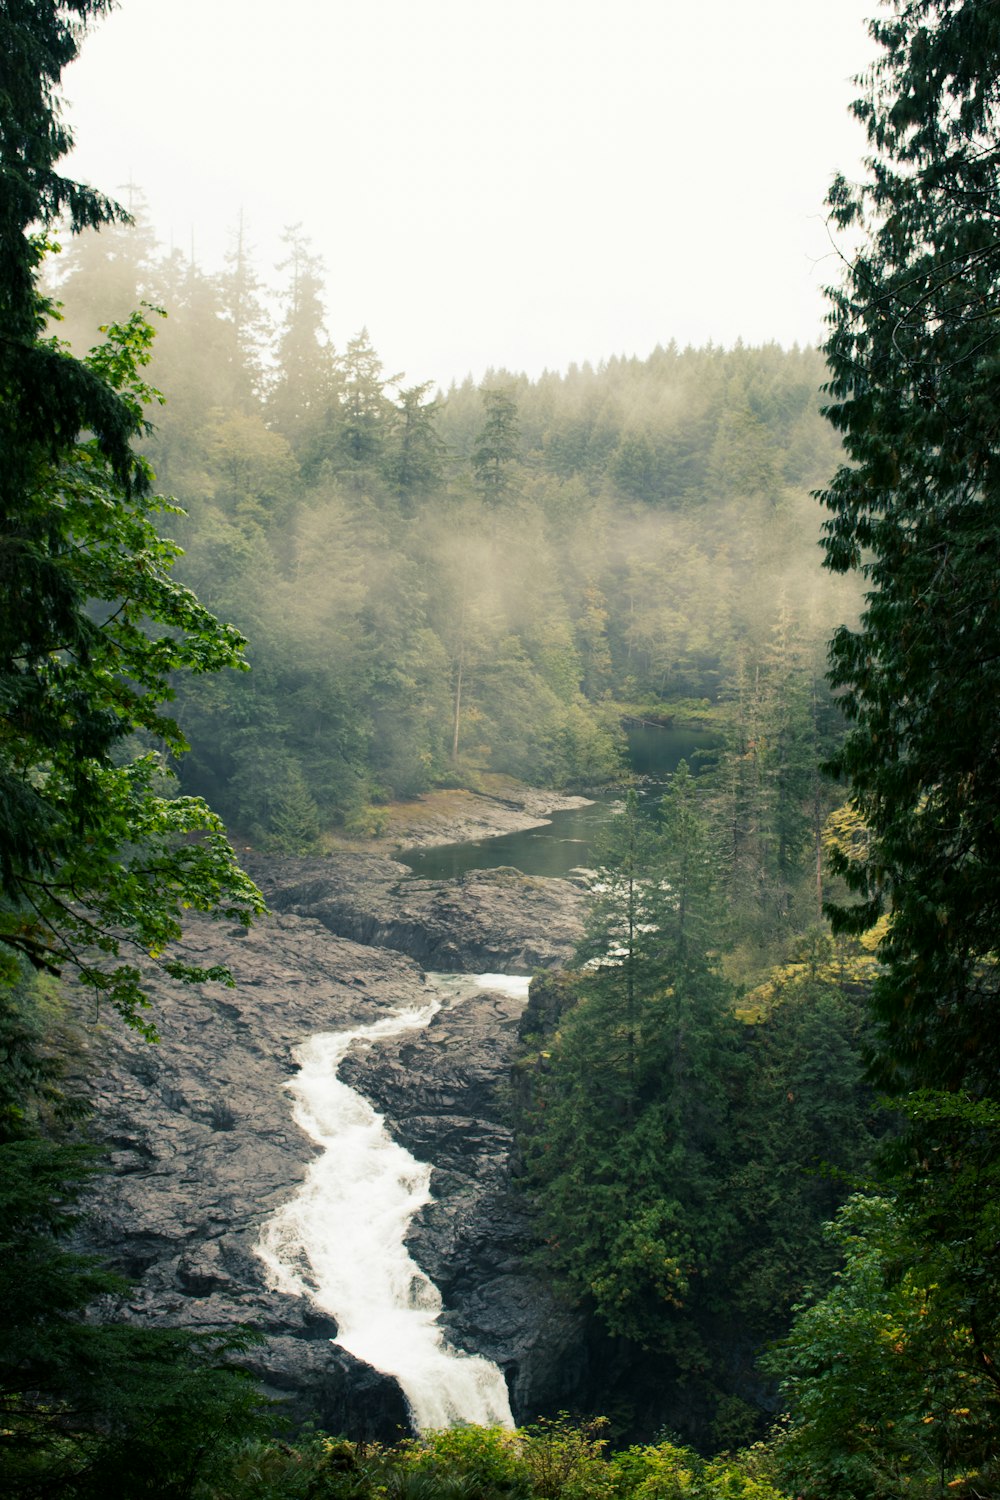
93	856
914	353
89	1408
629	1127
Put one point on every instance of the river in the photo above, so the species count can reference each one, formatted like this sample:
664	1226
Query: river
340	1240
565	843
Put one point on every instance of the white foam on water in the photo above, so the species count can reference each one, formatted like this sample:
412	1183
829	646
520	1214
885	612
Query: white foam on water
340	1239
515	985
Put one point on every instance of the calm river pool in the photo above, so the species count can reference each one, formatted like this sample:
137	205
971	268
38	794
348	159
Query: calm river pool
565	843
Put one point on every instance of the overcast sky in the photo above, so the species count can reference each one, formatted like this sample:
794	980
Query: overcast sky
523	184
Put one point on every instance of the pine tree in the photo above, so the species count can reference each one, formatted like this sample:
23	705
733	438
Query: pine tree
914	353
93	858
415	465
101	277
303	403
629	1133
498	445
241	293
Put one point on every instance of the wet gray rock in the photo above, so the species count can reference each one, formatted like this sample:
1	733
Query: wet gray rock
202	1146
445	1094
488	921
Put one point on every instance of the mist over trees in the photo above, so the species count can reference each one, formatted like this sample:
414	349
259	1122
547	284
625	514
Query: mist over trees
437	586
440	586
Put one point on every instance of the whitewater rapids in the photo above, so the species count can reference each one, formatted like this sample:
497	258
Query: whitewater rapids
340	1239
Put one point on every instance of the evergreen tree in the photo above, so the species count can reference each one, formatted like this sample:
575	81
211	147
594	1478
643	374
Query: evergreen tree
886	1392
199	360
498	445
104	275
746	804
592	642
628	1133
416	462
365	410
914	351
807	1129
295	823
303	401
241	292
92	856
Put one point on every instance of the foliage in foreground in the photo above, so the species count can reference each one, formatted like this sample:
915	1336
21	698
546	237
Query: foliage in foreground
557	1460
885	1385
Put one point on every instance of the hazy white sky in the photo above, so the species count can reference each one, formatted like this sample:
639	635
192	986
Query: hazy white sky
522	184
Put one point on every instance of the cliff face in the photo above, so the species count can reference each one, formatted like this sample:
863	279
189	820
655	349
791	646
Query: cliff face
202	1146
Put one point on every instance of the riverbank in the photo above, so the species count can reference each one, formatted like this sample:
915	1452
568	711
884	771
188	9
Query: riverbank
455	815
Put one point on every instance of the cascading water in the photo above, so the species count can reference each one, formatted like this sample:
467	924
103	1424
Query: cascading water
340	1239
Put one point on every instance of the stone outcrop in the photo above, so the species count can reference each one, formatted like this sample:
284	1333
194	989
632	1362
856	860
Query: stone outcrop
202	1145
490	920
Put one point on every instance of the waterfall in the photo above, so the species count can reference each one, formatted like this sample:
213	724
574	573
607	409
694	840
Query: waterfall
340	1239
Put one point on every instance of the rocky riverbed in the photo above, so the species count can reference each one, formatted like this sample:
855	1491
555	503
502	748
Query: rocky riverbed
202	1146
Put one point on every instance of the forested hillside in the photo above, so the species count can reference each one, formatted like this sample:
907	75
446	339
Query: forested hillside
437	585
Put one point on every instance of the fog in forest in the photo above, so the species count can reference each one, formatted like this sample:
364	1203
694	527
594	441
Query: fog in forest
440	586
638	871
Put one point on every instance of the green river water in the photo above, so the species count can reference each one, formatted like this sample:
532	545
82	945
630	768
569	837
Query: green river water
566	842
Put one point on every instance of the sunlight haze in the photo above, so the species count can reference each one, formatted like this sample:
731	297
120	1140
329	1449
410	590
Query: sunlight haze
524	186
